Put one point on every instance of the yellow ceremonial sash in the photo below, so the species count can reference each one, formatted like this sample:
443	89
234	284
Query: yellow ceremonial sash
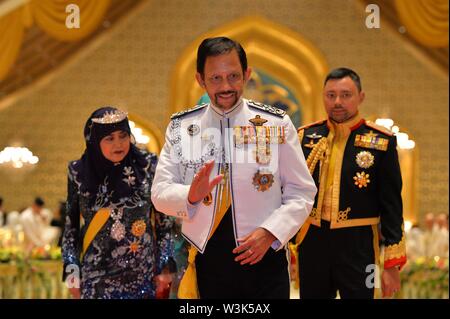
293	248
188	288
377	293
94	227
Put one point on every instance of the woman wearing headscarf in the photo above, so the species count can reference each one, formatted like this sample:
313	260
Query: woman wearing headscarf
110	248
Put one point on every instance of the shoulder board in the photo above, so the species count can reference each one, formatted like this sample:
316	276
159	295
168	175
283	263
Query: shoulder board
267	108
192	109
311	125
379	128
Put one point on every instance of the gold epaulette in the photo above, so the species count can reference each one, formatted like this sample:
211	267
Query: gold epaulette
311	124
379	128
192	109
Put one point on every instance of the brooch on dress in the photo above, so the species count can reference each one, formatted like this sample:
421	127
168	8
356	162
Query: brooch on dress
129	178
117	229
134	246
138	228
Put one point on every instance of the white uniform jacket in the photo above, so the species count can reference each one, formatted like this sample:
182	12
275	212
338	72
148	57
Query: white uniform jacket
279	202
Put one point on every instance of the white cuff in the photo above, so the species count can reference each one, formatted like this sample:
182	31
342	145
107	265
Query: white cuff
276	245
192	208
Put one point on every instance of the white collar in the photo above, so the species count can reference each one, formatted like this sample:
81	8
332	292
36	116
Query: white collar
228	113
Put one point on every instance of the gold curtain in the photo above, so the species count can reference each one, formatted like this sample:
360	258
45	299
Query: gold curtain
425	20
12	27
50	16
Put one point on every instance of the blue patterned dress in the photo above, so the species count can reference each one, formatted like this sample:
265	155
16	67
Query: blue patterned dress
133	246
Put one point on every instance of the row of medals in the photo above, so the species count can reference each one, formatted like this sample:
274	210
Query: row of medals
262	136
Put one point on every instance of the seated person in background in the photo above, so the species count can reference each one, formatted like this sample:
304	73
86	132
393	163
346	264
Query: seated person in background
35	221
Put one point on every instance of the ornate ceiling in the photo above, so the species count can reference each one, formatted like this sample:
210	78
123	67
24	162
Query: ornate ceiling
41	54
389	13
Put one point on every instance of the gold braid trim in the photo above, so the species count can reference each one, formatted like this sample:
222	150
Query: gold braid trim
396	250
316	154
300	134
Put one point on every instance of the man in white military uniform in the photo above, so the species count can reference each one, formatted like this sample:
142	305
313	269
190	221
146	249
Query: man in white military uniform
234	171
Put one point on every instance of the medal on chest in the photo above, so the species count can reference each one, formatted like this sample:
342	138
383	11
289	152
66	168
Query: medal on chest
262	180
260	135
371	140
365	159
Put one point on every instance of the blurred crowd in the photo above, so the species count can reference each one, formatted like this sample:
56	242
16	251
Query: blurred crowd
31	227
431	239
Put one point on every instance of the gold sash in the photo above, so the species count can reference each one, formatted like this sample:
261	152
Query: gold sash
94	227
314	157
188	288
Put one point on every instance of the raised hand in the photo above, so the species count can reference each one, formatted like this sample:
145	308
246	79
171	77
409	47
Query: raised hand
201	186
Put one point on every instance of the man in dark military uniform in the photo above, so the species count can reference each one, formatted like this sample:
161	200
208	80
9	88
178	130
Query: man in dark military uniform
355	167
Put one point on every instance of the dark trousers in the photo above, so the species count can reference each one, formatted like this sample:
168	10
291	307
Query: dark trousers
332	260
220	277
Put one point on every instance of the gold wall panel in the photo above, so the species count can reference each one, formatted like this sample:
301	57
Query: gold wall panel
132	68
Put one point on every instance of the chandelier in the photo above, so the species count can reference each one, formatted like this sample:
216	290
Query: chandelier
403	140
17	157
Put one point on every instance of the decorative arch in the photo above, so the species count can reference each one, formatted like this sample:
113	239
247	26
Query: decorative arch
272	48
151	130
